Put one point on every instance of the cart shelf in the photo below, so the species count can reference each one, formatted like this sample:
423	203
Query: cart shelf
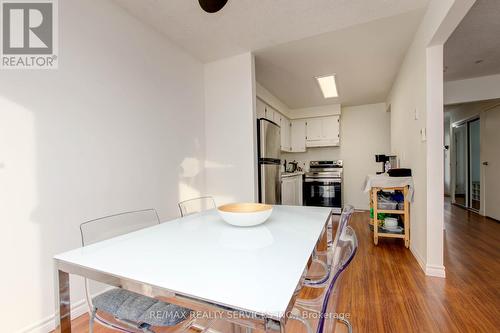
377	232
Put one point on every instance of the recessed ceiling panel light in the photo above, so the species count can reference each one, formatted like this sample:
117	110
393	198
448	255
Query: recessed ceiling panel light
328	86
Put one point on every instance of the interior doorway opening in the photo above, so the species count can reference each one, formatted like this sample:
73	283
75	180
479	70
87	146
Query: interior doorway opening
467	161
472	156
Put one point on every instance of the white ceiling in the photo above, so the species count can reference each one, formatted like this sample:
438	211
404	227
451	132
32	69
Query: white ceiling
365	59
247	25
476	38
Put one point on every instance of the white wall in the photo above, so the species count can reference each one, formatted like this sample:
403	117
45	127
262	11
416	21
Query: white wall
416	102
364	132
119	126
230	133
472	90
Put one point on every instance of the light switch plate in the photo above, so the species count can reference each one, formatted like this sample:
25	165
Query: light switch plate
423	134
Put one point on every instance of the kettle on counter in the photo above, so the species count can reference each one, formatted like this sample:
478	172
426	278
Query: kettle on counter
292	166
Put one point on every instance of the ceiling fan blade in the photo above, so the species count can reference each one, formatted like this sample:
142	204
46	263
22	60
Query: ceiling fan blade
212	6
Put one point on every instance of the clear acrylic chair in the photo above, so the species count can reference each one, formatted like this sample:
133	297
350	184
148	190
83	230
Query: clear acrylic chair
320	268
320	316
120	309
196	205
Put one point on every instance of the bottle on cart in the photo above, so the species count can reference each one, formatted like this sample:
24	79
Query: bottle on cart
387	166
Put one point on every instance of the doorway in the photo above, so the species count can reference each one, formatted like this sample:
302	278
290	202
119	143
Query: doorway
467	182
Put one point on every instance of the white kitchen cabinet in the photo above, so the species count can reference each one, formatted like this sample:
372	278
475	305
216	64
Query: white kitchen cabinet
260	109
291	190
323	131
299	190
314	129
272	114
285	134
298	135
287	191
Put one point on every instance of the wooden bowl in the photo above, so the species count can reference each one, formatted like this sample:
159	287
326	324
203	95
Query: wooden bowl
245	214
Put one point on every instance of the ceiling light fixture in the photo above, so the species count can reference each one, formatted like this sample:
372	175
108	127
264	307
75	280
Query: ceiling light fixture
212	6
328	86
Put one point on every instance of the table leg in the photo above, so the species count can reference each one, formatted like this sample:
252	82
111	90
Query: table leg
63	309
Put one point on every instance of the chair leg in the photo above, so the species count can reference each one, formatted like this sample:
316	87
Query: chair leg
92	320
346	323
147	330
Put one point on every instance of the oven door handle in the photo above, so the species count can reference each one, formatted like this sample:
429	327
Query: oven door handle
323	180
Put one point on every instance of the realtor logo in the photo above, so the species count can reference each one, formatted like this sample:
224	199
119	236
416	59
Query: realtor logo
29	34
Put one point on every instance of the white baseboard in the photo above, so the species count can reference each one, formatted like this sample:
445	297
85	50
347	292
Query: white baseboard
429	270
48	324
418	257
437	271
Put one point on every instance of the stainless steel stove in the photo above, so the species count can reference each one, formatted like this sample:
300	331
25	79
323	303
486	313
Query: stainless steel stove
323	185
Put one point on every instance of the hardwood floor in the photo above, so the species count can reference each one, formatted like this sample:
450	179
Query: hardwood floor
385	290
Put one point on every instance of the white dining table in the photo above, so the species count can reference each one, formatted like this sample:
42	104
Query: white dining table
203	262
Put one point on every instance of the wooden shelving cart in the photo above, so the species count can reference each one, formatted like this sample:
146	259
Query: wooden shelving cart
405	213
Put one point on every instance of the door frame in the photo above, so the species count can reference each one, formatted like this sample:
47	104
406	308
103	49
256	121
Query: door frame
453	161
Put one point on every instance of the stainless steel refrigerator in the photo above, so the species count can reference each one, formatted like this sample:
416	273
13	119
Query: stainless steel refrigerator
269	144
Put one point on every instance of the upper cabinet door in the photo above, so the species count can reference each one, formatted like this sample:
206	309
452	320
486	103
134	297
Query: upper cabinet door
298	135
314	129
260	109
323	131
331	128
285	133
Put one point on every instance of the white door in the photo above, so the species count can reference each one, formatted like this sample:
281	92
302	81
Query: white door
285	133
298	135
491	163
260	109
288	191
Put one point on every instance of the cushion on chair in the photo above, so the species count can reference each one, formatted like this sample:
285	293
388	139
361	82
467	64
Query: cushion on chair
127	305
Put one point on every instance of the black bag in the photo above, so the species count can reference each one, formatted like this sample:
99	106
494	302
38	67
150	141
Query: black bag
399	172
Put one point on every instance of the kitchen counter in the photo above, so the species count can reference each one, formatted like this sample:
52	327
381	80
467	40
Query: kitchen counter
291	174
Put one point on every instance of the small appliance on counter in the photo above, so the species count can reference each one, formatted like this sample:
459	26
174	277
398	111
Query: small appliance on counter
323	185
388	162
291	166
